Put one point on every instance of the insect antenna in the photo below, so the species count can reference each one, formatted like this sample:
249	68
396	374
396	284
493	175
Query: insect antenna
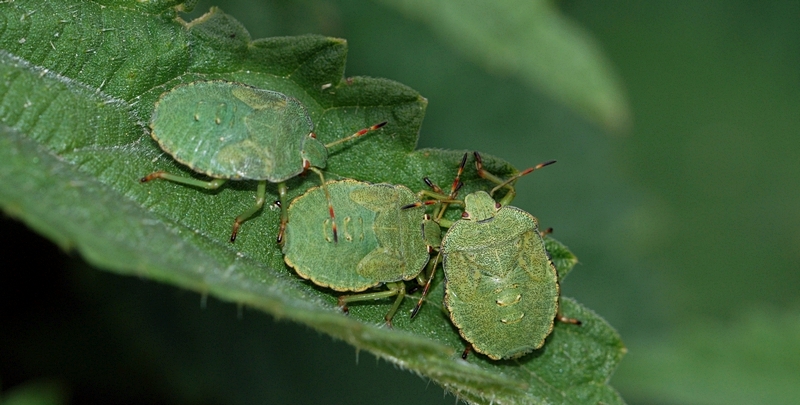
520	174
457	184
454	188
507	182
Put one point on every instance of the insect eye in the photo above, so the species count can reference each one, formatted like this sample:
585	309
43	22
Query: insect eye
497	205
313	135
465	215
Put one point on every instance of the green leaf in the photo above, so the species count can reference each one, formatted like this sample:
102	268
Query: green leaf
78	84
562	258
531	40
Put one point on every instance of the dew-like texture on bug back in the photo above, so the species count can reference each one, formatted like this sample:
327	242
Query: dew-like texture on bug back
232	131
378	242
502	289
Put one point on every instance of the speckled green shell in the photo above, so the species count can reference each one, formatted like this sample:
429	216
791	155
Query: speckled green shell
378	241
231	130
501	287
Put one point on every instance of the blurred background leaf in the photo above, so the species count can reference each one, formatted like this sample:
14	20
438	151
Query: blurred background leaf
533	42
687	230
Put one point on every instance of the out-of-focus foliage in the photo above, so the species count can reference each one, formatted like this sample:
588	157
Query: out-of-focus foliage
531	40
37	392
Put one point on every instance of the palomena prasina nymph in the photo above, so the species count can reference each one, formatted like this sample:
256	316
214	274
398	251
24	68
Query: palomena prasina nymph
379	242
232	131
501	288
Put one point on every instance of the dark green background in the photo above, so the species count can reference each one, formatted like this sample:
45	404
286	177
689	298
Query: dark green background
687	226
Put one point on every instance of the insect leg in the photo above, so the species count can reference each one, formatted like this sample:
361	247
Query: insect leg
284	213
466	351
563	319
261	194
208	185
394	289
432	264
401	293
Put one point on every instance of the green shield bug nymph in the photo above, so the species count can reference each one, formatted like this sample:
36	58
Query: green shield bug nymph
501	288
232	131
379	242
